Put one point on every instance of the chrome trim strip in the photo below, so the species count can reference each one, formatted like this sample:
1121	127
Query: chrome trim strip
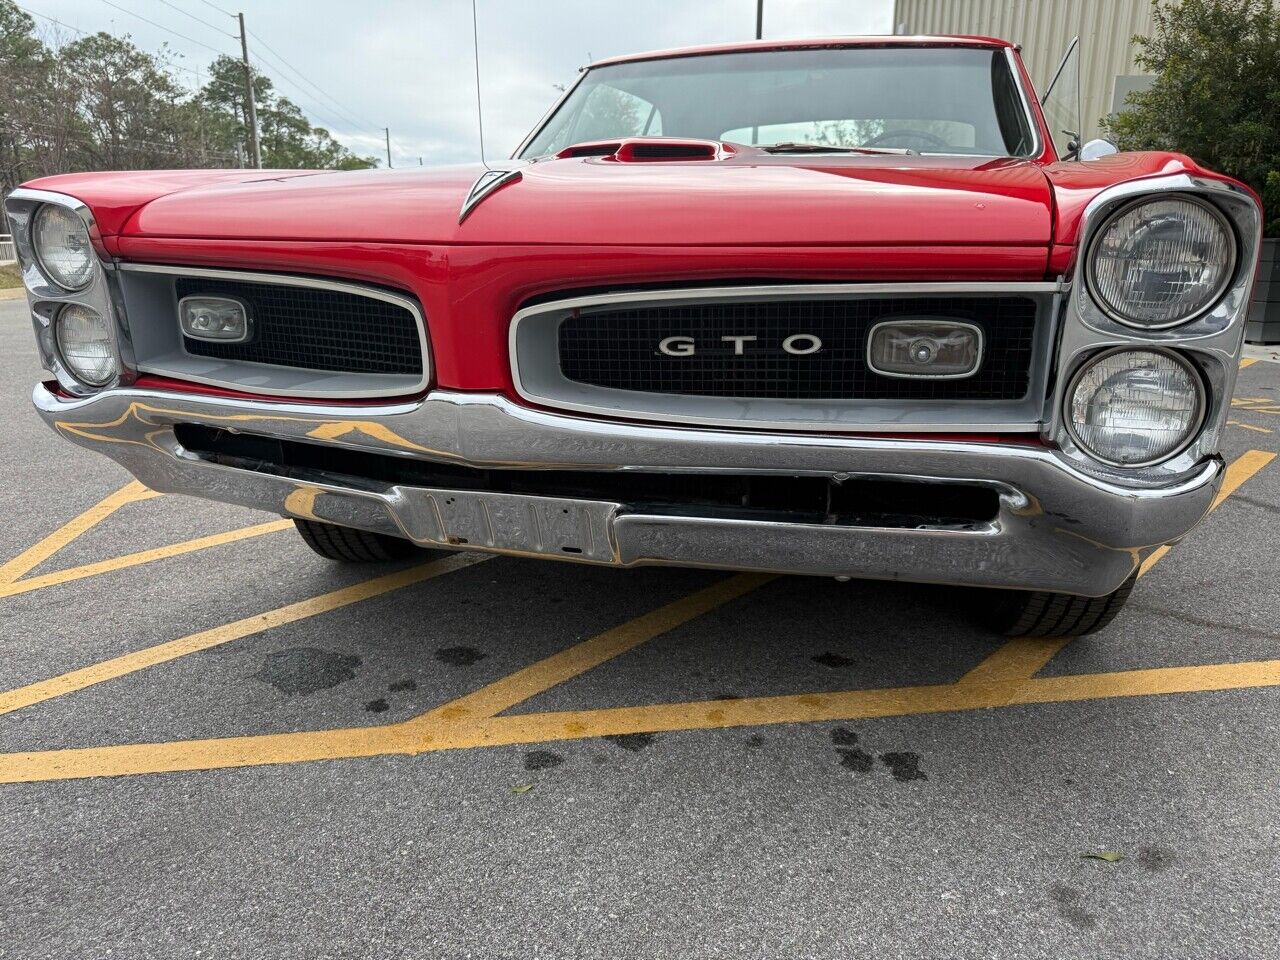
771	292
294	280
1037	145
549	115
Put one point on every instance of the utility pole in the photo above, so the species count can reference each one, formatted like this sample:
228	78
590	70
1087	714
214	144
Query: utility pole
387	131
255	150
759	19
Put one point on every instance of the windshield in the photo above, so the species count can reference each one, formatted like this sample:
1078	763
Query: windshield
922	99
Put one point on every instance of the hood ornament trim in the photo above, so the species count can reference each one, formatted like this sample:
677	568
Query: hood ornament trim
486	183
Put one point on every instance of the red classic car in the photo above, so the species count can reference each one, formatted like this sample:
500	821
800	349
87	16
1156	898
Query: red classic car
835	307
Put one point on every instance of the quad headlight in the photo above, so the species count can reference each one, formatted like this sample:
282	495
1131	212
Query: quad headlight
85	345
62	246
1134	407
1160	262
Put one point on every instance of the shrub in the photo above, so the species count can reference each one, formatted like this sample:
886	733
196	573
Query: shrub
1216	95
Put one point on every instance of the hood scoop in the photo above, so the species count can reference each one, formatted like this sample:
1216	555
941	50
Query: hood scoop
648	150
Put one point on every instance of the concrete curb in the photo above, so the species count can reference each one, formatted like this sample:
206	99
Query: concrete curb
12	293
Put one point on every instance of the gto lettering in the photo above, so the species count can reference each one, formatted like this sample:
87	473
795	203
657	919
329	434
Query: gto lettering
677	346
738	343
793	344
798	345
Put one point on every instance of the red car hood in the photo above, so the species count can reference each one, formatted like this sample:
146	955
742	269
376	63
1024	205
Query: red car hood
750	198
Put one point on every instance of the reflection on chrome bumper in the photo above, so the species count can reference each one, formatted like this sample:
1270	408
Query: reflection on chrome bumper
1056	529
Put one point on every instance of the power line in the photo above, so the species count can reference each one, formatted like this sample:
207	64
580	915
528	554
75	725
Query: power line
197	19
161	26
341	110
44	16
214	6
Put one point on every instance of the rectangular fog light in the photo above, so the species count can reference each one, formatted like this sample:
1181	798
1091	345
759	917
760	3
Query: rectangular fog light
220	319
925	347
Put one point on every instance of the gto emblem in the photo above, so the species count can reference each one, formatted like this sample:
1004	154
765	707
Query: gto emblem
798	345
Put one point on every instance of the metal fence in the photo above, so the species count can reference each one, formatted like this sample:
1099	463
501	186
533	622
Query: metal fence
7	253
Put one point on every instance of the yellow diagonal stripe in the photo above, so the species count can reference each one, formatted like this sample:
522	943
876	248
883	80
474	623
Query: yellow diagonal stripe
32	557
27	584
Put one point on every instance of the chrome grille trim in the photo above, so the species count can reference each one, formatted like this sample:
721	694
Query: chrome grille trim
351	386
532	335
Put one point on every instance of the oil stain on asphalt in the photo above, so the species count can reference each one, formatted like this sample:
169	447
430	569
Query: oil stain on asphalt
542	760
833	660
904	765
635	742
1067	900
460	656
305	670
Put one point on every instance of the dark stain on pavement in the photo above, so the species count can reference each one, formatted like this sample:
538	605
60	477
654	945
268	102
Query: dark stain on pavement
402	685
635	742
832	660
460	656
304	670
377	706
755	741
1155	859
726	696
844	737
542	760
1067	900
904	766
855	759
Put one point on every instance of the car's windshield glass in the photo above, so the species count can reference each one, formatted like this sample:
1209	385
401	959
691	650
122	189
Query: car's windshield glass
922	99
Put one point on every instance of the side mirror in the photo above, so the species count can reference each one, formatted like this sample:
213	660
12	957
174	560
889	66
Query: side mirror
1097	149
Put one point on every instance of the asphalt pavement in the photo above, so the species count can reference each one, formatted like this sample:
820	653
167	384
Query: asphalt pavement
234	748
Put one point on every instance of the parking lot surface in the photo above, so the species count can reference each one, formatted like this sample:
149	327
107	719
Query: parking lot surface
214	743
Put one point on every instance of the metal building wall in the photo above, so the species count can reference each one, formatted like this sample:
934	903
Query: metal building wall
1044	28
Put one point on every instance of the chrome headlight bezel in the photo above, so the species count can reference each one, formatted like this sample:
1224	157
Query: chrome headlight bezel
1211	341
46	297
1192	432
1224	282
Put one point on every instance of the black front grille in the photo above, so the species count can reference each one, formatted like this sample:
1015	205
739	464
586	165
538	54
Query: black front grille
314	329
619	349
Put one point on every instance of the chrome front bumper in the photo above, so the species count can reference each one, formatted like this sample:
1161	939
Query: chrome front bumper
1057	528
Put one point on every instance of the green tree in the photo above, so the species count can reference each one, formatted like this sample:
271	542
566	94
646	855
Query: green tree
98	102
1216	94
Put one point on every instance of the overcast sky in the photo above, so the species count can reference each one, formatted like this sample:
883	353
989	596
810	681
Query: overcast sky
407	64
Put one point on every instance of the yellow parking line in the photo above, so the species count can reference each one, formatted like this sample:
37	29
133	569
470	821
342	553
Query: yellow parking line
1247	426
1240	470
27	584
32	557
413	738
161	653
441	728
469	721
1248	362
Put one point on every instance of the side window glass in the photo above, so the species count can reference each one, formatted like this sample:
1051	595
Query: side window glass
1061	104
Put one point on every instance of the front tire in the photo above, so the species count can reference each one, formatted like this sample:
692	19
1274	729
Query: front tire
348	545
1039	613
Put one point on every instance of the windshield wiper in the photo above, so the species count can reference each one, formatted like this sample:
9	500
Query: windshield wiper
788	146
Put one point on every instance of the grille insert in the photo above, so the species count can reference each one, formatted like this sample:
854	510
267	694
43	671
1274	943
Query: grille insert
619	349
314	329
